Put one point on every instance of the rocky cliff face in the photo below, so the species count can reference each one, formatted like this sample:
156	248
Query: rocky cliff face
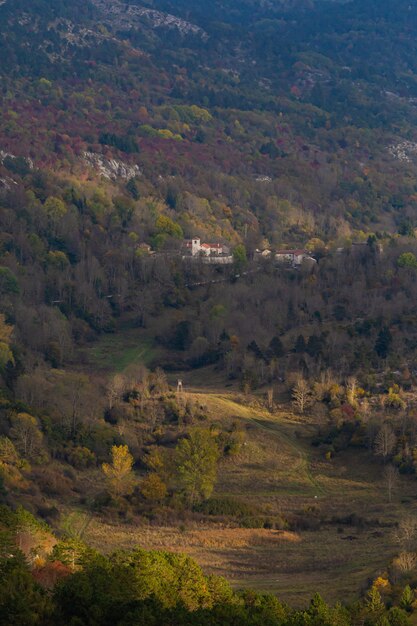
124	16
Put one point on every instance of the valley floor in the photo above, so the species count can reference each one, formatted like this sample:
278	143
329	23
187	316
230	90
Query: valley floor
278	470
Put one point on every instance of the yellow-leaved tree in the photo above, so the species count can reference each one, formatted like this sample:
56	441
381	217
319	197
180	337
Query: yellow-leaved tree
11	465
119	472
6	354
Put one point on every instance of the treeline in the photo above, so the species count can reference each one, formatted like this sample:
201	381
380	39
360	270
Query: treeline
71	584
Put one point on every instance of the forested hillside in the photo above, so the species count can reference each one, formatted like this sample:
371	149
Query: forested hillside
245	409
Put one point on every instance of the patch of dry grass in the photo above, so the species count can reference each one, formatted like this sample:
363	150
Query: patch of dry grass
280	474
291	565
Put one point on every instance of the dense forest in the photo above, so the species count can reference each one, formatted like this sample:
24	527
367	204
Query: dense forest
125	129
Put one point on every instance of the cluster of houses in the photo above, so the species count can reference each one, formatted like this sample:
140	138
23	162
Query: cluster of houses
215	253
220	254
294	258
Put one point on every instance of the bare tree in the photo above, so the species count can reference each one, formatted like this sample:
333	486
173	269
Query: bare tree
406	533
115	389
270	398
391	476
365	409
301	395
385	441
159	382
405	562
26	435
351	390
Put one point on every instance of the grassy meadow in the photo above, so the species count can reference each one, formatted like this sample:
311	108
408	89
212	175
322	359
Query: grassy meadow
278	472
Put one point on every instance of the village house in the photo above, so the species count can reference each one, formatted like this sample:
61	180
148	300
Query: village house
214	253
145	248
293	257
194	247
263	254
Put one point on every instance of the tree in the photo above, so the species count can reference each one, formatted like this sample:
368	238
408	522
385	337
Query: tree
115	389
351	390
153	488
314	346
397	617
407	599
10	463
320	614
22	601
196	459
74	525
6	330
6	354
166	226
239	255
119	472
276	347
373	602
406	532
385	442
300	345
26	435
74	390
8	452
392	477
55	208
255	349
8	282
383	343
405	562
270	398
301	395
407	260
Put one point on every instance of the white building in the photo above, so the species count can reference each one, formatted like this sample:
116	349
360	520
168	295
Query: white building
292	257
196	248
263	254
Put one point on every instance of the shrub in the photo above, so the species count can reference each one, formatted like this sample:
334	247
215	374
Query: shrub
81	457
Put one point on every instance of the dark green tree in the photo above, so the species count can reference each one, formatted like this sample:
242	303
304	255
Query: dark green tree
383	342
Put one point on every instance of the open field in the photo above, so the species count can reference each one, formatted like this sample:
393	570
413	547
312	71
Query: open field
115	352
291	565
278	472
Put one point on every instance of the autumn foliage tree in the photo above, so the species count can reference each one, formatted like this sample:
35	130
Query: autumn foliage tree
153	488
119	474
6	354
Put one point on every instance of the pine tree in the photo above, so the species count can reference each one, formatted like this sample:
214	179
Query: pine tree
407	598
383	342
300	345
277	347
374	602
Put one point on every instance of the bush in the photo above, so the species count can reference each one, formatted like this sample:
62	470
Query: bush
245	515
81	457
52	482
48	513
